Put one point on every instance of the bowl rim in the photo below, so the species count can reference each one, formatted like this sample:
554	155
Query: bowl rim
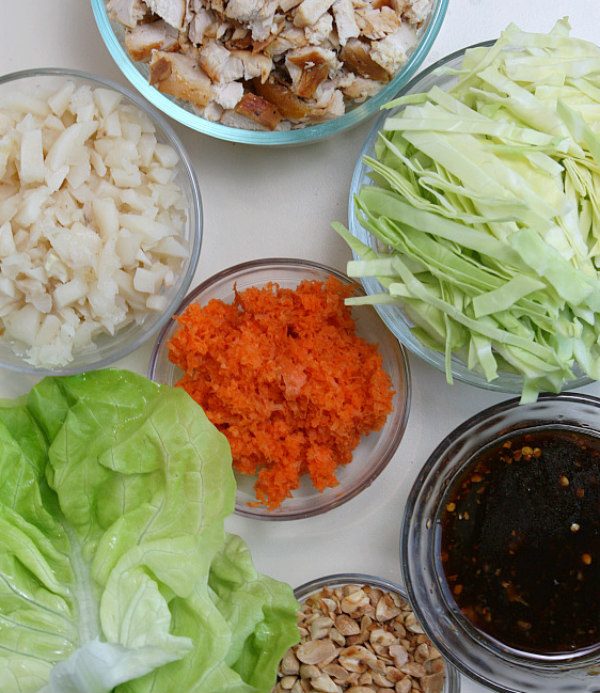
195	213
400	355
453	681
312	133
427	354
426	471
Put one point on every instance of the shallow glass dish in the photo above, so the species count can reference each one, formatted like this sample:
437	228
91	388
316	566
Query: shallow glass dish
474	653
452	683
374	451
392	315
137	73
110	348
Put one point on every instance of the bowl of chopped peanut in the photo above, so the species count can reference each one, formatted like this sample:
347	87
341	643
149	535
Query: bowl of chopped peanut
358	633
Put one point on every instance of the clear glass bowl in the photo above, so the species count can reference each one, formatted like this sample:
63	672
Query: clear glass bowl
110	348
301	593
473	652
374	451
393	315
137	73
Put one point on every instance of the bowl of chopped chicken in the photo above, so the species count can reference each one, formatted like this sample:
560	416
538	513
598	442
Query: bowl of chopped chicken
269	72
100	221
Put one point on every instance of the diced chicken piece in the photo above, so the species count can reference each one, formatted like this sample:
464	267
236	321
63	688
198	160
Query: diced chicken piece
391	52
180	76
240	39
308	68
219	64
199	25
336	107
287	103
287	5
260	110
228	95
418	11
377	24
309	11
360	88
148	37
356	57
128	12
172	11
290	37
237	120
243	10
319	34
213	112
264	24
255	65
345	23
323	95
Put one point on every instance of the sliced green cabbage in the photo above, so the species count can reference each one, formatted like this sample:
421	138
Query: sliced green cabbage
486	201
115	569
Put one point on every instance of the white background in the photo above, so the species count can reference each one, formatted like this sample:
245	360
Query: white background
261	203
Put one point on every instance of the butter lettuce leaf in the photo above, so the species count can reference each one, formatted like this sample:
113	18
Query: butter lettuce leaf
116	573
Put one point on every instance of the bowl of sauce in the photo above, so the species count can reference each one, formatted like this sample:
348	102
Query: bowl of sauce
501	546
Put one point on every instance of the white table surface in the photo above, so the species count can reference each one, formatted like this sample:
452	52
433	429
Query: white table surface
267	203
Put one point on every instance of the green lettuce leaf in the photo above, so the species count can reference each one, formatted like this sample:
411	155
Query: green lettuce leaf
115	569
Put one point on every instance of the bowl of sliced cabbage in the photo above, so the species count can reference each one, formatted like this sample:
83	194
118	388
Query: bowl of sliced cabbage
100	221
475	214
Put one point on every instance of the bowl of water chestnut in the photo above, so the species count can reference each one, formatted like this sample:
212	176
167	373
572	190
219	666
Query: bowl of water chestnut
501	546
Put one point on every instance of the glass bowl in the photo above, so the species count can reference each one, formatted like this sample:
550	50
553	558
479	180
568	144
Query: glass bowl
474	653
137	73
392	315
110	348
452	683
373	452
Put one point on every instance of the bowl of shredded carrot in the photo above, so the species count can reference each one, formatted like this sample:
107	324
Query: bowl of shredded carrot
312	394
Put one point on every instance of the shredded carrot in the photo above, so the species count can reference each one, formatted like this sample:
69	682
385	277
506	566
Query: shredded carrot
284	376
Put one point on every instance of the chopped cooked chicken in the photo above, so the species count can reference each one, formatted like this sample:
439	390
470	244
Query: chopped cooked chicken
377	24
213	112
291	37
360	88
418	11
391	52
180	76
346	25
259	110
287	103
141	41
243	10
201	21
219	64
306	79
228	95
174	12
128	12
236	120
254	65
356	57
287	5
272	64
319	34
309	12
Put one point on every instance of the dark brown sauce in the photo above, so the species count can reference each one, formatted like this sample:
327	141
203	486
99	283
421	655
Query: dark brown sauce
521	541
